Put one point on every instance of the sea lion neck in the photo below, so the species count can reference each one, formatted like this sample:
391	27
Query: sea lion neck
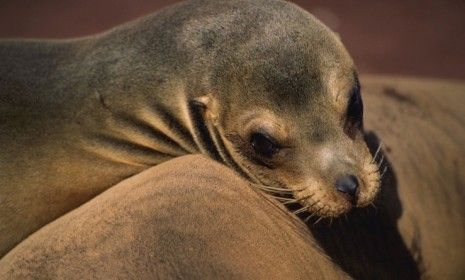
120	107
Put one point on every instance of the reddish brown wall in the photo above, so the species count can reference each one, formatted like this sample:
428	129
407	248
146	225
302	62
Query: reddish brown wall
402	37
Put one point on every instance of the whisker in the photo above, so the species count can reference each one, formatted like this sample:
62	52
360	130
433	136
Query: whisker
262	187
376	153
384	171
289	202
296	200
275	189
313	214
283	199
301	210
275	196
317	221
381	161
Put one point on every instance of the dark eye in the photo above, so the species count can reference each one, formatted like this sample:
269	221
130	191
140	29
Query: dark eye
263	144
354	112
355	109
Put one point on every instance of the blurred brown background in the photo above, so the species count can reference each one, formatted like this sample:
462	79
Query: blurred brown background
419	38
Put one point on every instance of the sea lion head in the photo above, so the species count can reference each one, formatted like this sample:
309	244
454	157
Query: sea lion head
286	105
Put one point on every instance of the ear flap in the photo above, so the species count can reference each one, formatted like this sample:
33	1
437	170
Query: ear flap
209	107
201	102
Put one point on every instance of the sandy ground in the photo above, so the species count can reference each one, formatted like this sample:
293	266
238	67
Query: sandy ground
420	38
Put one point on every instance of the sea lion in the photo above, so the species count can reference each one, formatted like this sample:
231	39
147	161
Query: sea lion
261	86
187	218
417	229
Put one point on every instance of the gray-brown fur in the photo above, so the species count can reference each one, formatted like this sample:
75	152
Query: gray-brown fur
79	116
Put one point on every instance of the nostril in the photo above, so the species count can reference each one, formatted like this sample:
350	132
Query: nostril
347	184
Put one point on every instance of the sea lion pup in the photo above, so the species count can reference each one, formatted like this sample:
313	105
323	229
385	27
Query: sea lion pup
261	86
187	218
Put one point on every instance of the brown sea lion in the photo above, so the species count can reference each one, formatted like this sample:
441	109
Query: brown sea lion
261	86
417	229
188	218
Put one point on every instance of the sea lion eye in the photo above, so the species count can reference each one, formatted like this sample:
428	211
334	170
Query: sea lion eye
355	109
263	144
354	112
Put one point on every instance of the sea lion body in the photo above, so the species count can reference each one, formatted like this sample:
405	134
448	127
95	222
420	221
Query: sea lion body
221	78
421	123
166	223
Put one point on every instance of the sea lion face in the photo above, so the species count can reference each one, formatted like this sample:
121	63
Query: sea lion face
289	111
315	148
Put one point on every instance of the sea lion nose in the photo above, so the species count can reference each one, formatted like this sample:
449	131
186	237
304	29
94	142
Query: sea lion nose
348	184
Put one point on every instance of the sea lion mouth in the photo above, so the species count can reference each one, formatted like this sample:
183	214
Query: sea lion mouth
315	197
324	201
318	203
